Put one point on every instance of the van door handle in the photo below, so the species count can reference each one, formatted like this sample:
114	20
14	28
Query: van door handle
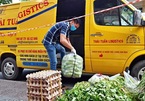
97	34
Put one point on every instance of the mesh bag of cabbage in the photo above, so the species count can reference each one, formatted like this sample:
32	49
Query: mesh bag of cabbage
72	65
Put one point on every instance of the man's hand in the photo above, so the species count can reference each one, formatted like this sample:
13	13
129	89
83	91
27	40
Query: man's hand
73	50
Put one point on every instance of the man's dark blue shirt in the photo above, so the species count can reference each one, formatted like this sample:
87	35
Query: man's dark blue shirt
53	35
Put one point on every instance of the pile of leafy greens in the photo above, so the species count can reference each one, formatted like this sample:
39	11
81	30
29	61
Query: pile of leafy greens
104	90
139	91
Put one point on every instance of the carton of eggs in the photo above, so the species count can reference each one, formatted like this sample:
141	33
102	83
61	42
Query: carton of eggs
44	85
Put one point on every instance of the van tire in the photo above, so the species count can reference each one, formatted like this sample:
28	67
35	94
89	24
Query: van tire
10	70
138	69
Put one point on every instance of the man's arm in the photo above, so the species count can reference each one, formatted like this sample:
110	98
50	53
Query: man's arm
68	40
65	41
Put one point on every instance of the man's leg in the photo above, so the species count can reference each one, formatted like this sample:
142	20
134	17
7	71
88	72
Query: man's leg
61	50
51	50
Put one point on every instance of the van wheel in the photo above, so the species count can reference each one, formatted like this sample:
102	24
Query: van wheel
138	70
10	70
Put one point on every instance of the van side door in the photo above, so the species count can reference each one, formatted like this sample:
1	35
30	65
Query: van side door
34	20
113	37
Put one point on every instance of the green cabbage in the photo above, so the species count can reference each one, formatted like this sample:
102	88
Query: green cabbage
72	65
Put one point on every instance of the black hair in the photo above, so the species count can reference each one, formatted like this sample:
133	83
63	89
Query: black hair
77	21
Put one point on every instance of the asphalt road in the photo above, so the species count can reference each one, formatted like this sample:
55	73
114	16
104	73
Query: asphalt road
17	90
11	90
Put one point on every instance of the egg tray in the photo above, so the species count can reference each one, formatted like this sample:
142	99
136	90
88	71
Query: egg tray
42	98
44	83
43	91
34	93
49	78
49	74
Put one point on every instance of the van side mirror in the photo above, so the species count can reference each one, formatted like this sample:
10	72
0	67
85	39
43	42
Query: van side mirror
143	19
137	17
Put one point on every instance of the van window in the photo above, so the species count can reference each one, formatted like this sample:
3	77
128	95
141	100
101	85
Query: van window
116	17
126	15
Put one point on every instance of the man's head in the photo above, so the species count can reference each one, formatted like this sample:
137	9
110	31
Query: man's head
74	24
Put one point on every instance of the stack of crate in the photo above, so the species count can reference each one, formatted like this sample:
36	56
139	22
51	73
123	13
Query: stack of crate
44	85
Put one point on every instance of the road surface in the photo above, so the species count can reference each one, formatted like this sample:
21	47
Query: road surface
17	90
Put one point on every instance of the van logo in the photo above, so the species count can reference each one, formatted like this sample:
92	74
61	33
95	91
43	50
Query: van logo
133	39
33	9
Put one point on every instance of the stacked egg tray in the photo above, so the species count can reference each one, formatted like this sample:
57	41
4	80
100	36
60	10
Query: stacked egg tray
44	85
